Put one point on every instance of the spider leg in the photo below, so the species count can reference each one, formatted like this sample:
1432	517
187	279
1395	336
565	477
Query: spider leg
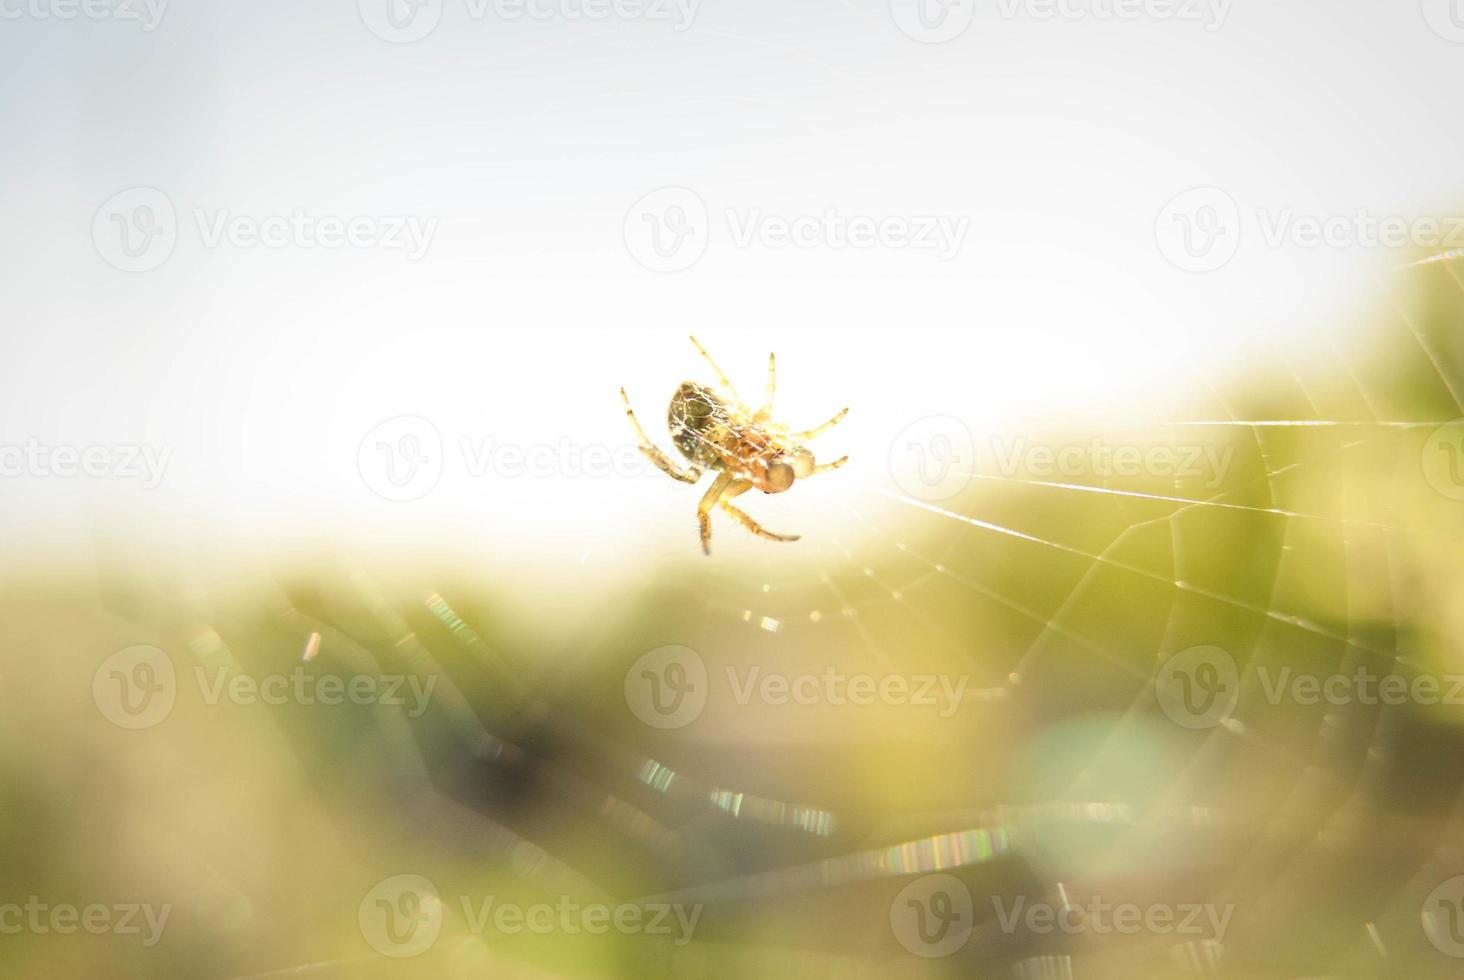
737	489
766	411
722	379
805	436
827	467
690	475
704	509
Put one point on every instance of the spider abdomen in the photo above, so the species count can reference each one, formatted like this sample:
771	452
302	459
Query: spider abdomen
701	425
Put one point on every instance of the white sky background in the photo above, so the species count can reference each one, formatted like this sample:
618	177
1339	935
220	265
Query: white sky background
528	141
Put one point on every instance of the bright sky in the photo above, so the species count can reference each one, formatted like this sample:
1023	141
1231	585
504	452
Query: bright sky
519	150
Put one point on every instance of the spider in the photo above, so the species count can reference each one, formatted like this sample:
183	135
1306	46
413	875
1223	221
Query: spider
716	430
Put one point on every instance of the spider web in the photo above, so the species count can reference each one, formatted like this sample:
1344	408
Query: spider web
1328	785
1324	827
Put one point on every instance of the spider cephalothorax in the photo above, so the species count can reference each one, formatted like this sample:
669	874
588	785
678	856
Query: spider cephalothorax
715	430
